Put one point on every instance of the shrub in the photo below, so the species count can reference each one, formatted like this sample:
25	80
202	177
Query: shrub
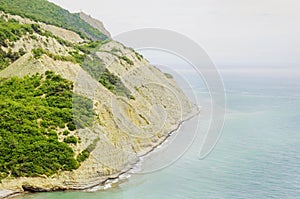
71	126
83	156
7	58
66	132
30	148
38	52
114	84
130	62
71	140
12	30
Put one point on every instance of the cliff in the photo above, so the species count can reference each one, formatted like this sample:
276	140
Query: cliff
95	23
135	104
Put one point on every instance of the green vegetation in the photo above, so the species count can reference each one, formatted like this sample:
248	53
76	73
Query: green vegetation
109	80
86	152
38	52
12	30
83	114
31	110
71	126
47	12
78	56
115	52
6	58
90	47
85	55
139	56
83	156
114	84
34	109
66	132
71	140
48	34
130	62
92	64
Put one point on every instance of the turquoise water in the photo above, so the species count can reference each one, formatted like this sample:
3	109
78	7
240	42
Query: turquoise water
258	155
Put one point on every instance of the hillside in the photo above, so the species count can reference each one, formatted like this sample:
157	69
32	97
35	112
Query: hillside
49	13
75	111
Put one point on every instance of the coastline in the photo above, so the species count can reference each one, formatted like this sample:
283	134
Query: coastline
193	114
109	180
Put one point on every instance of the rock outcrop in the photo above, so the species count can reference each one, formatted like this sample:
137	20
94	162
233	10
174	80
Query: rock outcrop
95	23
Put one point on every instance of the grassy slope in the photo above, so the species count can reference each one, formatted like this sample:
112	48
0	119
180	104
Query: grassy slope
44	11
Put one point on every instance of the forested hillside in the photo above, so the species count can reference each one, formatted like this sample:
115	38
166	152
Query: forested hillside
47	12
33	112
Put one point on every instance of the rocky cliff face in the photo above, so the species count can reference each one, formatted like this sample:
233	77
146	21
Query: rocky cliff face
125	127
95	23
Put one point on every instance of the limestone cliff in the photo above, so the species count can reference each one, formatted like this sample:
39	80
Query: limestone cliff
125	127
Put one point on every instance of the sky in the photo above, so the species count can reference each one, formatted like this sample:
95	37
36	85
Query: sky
255	33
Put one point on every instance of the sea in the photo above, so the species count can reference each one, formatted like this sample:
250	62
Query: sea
257	155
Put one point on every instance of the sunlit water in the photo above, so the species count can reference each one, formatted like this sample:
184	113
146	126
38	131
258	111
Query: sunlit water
258	155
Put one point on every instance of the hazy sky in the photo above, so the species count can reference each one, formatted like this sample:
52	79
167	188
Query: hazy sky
257	33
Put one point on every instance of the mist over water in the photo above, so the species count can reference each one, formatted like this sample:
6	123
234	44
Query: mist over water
258	155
